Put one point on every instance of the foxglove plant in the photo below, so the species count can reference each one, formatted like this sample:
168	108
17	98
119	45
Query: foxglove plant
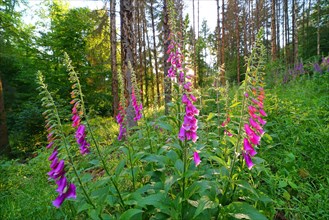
135	99
78	109
253	99
56	137
80	135
121	113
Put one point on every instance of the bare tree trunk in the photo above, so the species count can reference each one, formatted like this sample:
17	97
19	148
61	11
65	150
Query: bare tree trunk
286	28
167	81
273	30
140	13
278	16
145	61
293	26
127	35
244	22
237	32
155	56
223	43
194	49
115	90
295	32
318	31
218	36
4	142
150	62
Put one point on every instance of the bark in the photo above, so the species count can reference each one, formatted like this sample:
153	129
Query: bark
222	77
140	6
273	30
127	33
167	81
150	62
155	56
286	30
218	36
293	26
145	61
295	32
115	90
194	49
4	141
278	16
318	31
237	32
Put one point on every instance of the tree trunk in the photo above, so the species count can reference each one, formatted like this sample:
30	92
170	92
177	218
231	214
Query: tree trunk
4	142
295	32
237	32
222	77
167	80
273	30
155	57
286	30
218	36
194	49
127	35
115	90
150	62
318	31
278	16
145	61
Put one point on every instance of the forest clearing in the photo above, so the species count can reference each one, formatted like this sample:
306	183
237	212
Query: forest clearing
164	109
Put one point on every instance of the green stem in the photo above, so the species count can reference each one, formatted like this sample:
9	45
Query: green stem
132	168
184	179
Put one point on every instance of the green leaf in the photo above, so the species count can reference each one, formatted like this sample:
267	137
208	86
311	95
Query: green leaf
154	200
84	207
179	166
210	116
120	167
93	214
235	104
245	185
165	126
242	210
204	204
129	214
282	184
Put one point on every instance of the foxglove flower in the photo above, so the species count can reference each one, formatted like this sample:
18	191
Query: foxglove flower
196	158
80	137
120	121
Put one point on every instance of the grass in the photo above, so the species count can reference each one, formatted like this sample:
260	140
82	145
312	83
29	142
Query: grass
297	156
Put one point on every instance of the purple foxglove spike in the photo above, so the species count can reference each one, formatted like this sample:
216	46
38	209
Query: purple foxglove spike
248	160
196	158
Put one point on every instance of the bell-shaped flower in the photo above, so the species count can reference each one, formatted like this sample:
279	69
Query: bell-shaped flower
196	158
